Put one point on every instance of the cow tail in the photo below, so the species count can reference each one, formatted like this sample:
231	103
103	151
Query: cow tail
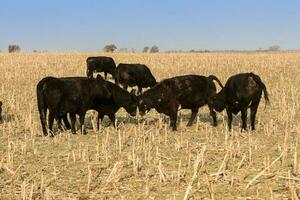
213	77
41	106
263	87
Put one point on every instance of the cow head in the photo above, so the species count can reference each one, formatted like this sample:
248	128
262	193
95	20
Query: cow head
99	88
151	81
218	101
144	105
124	99
132	106
90	68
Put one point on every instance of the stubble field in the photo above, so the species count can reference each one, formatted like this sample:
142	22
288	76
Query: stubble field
143	158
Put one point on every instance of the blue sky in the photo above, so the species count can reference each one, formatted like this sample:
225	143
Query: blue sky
87	25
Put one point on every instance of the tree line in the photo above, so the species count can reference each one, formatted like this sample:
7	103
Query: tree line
153	49
146	49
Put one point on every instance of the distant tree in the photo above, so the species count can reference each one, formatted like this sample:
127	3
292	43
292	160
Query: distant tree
274	48
154	49
146	49
110	48
13	48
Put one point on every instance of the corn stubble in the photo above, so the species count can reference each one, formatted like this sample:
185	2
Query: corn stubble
143	158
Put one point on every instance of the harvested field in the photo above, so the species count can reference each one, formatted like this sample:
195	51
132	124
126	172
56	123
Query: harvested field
143	158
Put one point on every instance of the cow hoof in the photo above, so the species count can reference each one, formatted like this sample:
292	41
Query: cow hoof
244	130
83	132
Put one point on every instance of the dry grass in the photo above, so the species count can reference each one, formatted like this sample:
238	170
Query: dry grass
144	159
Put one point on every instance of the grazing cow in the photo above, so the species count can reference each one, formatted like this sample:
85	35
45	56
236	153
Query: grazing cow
189	92
64	118
119	98
240	92
100	64
73	95
134	75
0	110
109	106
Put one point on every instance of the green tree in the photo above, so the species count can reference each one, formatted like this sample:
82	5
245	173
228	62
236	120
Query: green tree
13	48
154	49
110	48
146	49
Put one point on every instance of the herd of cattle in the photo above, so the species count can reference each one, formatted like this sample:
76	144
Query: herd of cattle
77	95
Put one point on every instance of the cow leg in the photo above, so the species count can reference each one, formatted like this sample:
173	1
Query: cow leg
73	121
100	117
173	119
112	119
229	116
66	122
43	123
193	116
58	120
253	109
81	120
51	117
214	116
140	90
252	116
244	118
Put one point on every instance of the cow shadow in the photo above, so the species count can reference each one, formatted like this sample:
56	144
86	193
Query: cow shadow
106	122
147	120
203	117
7	118
206	118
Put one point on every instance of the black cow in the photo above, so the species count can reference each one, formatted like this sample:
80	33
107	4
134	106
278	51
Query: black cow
240	92
109	106
73	95
134	75
100	64
119	98
189	92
